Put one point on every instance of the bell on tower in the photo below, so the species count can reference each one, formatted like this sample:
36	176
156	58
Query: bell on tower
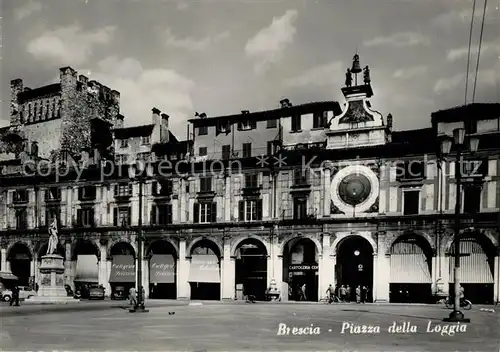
356	68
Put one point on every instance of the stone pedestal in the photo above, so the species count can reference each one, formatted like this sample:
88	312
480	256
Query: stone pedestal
51	288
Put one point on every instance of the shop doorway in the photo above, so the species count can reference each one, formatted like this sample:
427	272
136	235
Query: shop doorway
251	269
355	266
85	266
300	269
20	259
204	271
123	275
162	270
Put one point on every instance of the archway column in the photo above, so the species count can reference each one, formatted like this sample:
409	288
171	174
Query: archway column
444	260
496	277
104	270
228	273
434	274
182	272
275	264
3	263
381	274
68	266
326	268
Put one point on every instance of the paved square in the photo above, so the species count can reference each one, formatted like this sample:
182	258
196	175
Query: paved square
255	327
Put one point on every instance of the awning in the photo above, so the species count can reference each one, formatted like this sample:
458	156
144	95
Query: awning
474	269
409	269
8	276
87	269
204	268
162	269
122	269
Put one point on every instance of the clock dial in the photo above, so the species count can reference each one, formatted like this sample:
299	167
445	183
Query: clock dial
354	189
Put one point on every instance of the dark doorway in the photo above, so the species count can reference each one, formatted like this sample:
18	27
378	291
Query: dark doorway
204	271
20	263
251	268
355	266
162	270
85	255
300	270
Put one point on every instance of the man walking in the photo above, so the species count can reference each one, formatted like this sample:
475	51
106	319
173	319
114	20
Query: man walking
343	292
358	294
132	295
330	293
15	296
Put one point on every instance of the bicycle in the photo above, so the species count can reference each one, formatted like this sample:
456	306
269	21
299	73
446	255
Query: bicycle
464	303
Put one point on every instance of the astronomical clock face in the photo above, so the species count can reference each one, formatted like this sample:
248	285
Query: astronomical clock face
354	189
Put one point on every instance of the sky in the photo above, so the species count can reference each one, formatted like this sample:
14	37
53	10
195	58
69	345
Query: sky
221	57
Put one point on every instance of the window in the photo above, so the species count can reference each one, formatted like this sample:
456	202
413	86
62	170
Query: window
251	180
144	156
410	170
270	148
122	216
296	123
86	193
202	131
223	127
163	188
161	214
300	177
411	201
247	150
299	208
121	159
475	168
247	125
52	213
472	199
123	143
145	140
250	210
21	196
202	151
470	125
320	119
85	217
205	184
21	219
123	190
226	152
52	194
205	212
273	123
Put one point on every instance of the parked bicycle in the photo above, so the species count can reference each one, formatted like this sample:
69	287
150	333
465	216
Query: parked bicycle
464	303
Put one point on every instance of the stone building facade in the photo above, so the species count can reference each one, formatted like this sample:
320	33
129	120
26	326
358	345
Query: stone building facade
323	195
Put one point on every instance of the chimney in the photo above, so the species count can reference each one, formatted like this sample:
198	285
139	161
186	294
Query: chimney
285	103
26	89
156	116
244	112
389	122
164	135
119	121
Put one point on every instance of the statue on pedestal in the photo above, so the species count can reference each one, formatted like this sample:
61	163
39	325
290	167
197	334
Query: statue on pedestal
53	239
348	78
366	75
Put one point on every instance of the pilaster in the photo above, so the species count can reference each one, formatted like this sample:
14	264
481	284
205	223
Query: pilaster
326	195
326	267
496	278
227	196
381	275
103	268
3	259
228	272
182	272
68	266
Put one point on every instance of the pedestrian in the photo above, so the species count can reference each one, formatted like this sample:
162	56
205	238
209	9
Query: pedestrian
132	295
303	289
366	294
342	291
15	296
358	294
348	293
330	293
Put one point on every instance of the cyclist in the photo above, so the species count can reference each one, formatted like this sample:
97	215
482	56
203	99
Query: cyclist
461	294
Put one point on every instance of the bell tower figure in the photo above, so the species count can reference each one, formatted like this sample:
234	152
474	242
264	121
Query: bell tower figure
348	78
366	75
356	68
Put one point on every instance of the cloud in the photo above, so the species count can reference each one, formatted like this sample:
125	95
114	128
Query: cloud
267	46
488	77
323	75
461	53
193	44
462	16
410	72
27	10
142	89
68	45
399	40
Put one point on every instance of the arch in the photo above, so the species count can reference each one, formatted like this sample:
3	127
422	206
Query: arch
20	243
121	240
484	238
43	250
165	241
423	240
342	236
88	243
196	241
298	237
122	246
240	240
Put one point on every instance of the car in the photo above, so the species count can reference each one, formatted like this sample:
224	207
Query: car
25	292
96	292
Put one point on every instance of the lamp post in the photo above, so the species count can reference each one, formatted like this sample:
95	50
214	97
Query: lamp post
459	142
133	175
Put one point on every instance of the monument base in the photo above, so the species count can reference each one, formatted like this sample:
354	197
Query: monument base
51	289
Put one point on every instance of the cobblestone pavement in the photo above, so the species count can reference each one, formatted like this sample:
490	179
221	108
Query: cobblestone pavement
253	327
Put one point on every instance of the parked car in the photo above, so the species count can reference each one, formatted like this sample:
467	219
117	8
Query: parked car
25	292
96	292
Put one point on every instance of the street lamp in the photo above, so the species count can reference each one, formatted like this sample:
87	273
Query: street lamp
445	148
136	172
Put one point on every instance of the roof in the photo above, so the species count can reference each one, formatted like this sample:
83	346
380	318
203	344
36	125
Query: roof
135	131
271	114
39	92
477	111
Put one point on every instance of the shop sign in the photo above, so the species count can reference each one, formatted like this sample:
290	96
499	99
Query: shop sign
302	267
162	269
